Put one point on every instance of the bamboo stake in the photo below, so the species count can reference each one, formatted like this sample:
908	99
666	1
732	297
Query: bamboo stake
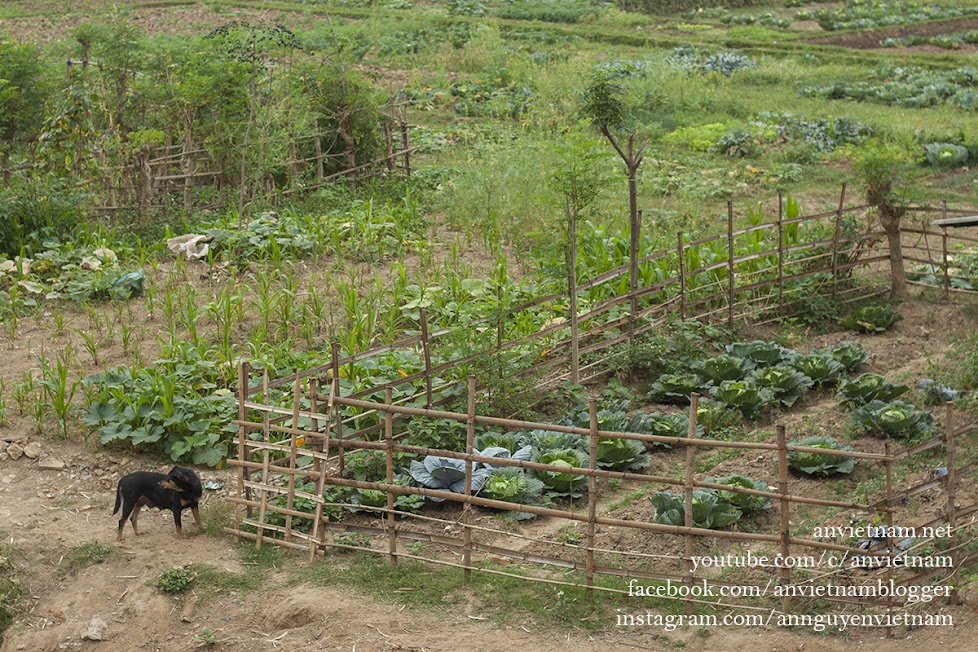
469	437
592	495
694	400
571	259
407	150
888	465
321	466
785	521
730	265
265	462
780	224
682	275
335	362
293	444
389	458
318	145
426	349
952	508
835	240
947	267
242	434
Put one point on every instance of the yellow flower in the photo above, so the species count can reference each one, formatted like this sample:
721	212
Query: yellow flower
402	372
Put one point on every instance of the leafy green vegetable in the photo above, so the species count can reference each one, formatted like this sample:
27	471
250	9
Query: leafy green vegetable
513	485
709	511
871	319
868	387
664	425
523	454
787	383
744	502
744	395
946	155
723	367
547	440
620	454
849	353
676	388
446	474
563	483
820	367
509	440
819	464
761	353
894	419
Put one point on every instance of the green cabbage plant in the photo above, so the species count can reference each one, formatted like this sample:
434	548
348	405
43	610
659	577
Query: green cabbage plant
871	319
509	440
849	353
663	425
446	474
820	367
743	395
513	485
946	155
744	502
868	387
787	384
548	440
817	464
709	510
563	483
894	419
723	367
676	388
761	353
621	454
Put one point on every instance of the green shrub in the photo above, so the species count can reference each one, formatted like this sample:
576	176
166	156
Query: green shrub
175	580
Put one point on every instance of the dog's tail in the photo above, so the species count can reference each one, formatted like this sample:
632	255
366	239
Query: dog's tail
118	498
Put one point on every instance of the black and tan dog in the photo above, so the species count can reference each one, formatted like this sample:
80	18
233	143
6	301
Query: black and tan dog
176	491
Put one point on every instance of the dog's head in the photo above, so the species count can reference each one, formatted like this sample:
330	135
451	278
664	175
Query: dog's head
182	480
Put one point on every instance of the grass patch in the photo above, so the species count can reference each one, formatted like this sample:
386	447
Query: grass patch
628	498
10	591
87	554
216	517
505	600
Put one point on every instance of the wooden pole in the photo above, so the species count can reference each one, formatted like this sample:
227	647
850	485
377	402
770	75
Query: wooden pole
318	145
947	267
335	354
835	239
469	437
321	466
426	350
780	256
785	507
242	435
592	494
571	259
293	445
633	272
682	275
952	508
888	465
694	400
266	432
407	150
730	265
389	457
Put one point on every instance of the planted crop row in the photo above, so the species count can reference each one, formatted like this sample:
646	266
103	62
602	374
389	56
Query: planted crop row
872	14
907	86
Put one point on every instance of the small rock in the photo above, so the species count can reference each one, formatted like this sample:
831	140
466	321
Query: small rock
3	456
15	451
51	464
95	630
32	450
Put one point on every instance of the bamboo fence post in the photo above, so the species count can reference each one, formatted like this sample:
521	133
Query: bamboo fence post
407	150
889	530
730	265
694	400
321	465
785	522
189	167
314	409
947	268
389	457
335	365
266	432
571	258
682	275
499	330
469	436
835	239
293	445
952	509
633	285
780	256
242	434
592	494
426	350
318	145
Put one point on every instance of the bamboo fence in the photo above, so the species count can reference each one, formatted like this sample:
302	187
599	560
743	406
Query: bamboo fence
291	460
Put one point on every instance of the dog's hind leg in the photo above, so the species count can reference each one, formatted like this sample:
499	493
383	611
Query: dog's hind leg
135	517
196	513
178	522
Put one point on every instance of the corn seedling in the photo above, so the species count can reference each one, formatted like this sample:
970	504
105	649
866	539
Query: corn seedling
4	410
59	388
